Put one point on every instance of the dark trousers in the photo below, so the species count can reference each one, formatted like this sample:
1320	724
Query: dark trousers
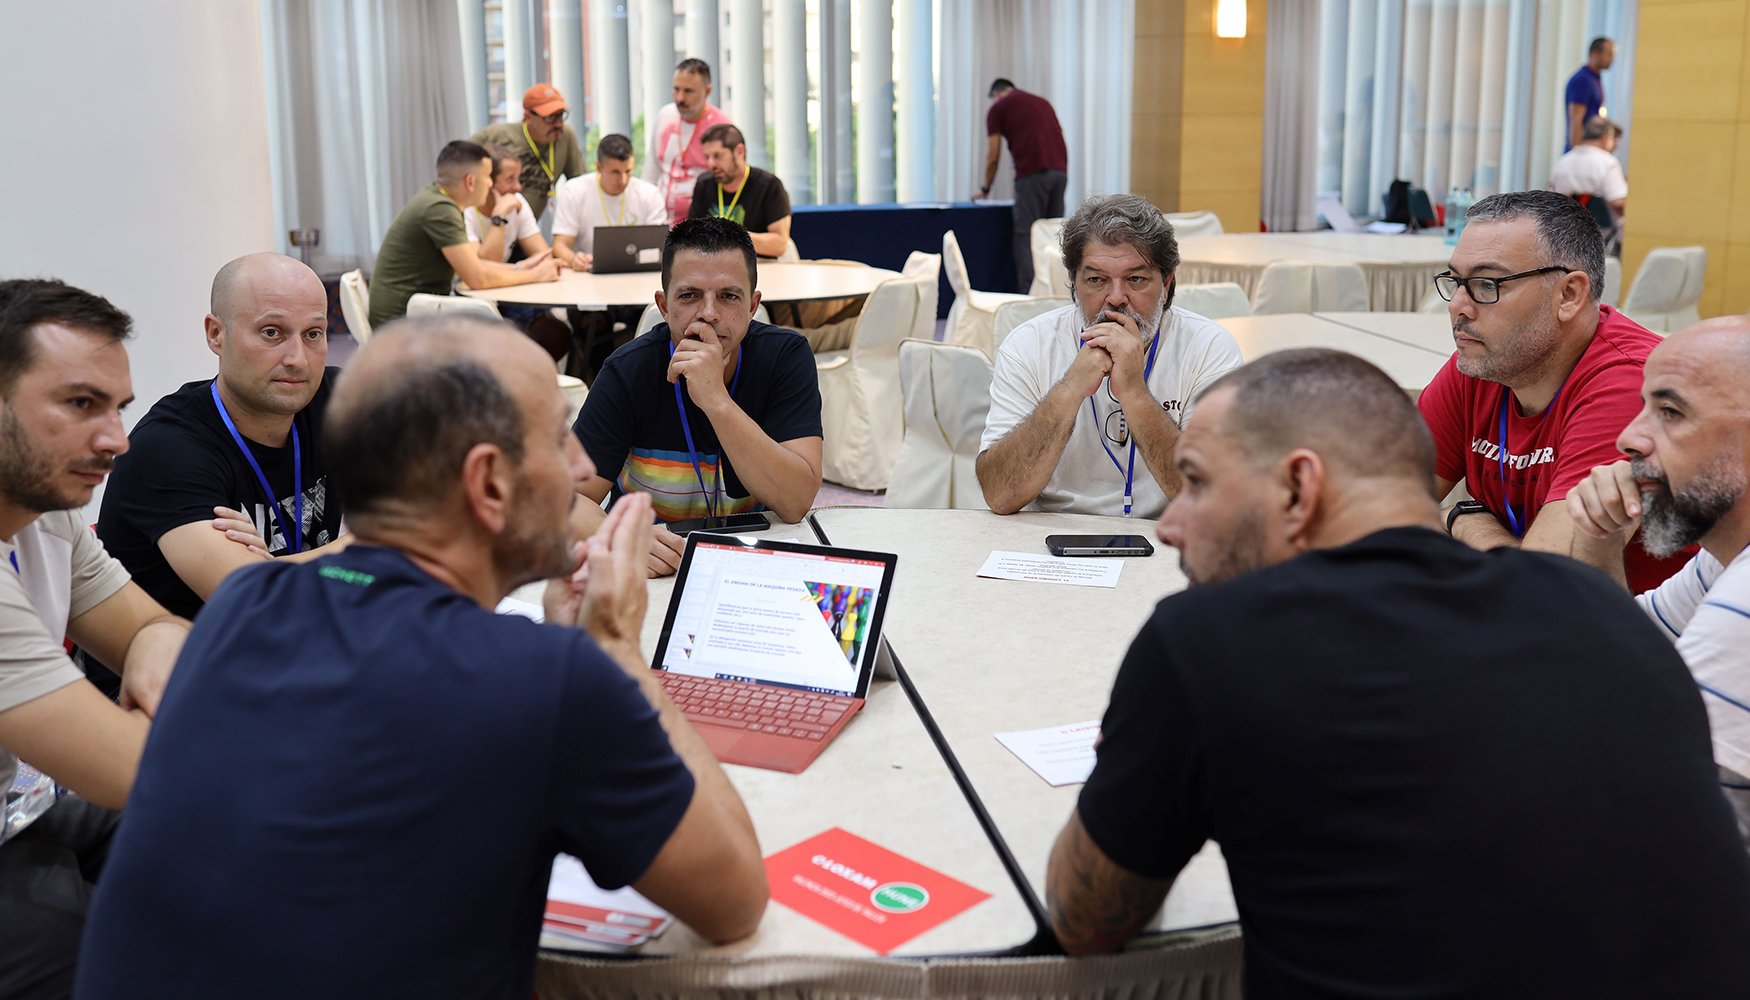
1037	196
47	875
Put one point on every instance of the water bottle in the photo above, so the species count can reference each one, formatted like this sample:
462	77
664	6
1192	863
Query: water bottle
1454	217
31	795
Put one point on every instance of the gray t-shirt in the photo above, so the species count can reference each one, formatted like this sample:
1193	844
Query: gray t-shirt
51	572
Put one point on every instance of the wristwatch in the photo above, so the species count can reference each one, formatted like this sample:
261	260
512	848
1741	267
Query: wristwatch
499	220
1462	508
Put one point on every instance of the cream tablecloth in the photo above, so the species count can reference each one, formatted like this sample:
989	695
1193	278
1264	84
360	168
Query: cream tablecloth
1399	269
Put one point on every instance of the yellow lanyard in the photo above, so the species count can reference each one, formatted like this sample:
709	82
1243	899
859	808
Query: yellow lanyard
724	212
603	195
552	151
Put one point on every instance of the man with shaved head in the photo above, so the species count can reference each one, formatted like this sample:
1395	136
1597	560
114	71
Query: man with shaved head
1432	770
229	471
1684	483
363	774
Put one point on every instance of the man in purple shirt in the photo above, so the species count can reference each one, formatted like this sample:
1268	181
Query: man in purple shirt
1041	161
1586	88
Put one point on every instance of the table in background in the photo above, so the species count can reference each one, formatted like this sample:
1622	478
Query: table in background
884	235
1412	366
1429	331
1399	268
779	281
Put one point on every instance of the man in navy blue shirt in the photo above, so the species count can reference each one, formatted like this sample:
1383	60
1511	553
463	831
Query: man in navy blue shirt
1586	89
360	774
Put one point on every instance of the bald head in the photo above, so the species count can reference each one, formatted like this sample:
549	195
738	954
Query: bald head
240	286
1711	357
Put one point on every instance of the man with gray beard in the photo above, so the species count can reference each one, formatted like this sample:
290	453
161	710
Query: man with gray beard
1683	484
1543	379
1079	391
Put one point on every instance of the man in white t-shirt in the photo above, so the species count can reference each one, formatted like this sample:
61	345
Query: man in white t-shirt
506	221
63	381
1685	482
609	197
676	143
1591	168
1086	401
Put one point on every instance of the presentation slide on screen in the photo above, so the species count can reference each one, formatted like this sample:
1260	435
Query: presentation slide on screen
783	617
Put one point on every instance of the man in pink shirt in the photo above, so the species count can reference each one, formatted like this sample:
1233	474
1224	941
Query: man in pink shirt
676	142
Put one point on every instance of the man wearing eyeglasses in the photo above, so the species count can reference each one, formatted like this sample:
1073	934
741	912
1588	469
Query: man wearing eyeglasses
1542	381
546	145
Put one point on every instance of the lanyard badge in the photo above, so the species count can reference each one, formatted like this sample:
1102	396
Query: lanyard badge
1130	472
711	496
1513	524
294	539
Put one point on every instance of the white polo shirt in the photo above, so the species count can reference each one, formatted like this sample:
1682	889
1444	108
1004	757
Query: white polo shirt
522	224
1194	352
1587	169
583	206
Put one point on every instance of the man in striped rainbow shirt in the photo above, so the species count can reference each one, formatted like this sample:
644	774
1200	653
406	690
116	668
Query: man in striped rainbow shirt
711	412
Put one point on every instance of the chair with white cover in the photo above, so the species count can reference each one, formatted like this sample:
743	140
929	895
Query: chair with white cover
971	315
790	252
860	409
1431	301
422	304
1195	224
575	393
1012	314
920	263
1049	275
1217	300
946	389
1666	289
1303	286
355	305
1612	293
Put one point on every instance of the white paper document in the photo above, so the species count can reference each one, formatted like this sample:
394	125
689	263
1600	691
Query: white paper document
513	606
1062	755
1051	569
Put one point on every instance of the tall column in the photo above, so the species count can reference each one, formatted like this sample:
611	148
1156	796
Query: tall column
659	59
747	54
702	42
471	14
565	56
875	110
915	144
519	61
838	171
790	98
608	49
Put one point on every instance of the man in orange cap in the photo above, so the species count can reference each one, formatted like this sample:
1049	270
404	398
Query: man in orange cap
546	145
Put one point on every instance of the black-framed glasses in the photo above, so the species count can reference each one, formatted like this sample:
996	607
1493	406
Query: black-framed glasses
1485	291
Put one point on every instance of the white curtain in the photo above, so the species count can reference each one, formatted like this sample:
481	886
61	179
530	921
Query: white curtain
1291	112
362	94
1077	54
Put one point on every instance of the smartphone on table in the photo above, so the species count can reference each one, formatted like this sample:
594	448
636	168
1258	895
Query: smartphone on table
1099	545
732	524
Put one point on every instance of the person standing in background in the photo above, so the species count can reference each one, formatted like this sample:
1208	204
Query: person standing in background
546	145
677	142
1586	89
1041	161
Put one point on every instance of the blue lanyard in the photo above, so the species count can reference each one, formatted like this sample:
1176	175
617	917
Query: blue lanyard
1129	473
693	453
294	539
1506	396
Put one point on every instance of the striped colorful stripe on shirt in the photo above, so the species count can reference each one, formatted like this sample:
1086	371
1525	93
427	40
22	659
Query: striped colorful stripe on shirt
673	486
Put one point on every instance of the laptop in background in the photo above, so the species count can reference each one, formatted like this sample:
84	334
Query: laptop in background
627	248
768	647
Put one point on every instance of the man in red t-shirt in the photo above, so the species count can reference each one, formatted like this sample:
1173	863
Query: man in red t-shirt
1041	163
1543	381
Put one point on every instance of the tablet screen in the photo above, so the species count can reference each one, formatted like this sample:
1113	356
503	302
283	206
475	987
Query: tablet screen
799	619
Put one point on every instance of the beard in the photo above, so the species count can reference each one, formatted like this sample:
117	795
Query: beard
535	544
1145	325
1674	520
1520	354
1241	552
27	475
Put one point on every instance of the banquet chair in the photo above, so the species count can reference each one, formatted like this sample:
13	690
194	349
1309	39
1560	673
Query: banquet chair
1431	301
1612	293
1213	301
575	393
1666	289
860	411
922	263
1301	286
1012	314
971	315
422	304
946	394
790	252
355	305
1195	224
1049	275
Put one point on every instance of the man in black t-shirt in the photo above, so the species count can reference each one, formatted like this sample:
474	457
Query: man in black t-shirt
361	775
1432	770
187	504
752	198
710	413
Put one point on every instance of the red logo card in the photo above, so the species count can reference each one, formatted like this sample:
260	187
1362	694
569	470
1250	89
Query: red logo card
864	891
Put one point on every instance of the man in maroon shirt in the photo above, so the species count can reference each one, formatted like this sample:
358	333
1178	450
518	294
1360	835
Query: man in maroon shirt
1543	381
1041	159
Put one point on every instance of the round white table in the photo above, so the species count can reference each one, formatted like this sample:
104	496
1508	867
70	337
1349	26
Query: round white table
779	281
1399	268
1429	331
1411	363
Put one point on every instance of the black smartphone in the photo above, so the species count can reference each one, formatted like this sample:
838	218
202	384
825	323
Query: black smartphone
1099	545
732	524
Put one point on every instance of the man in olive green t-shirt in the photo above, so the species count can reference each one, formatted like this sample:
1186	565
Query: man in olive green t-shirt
427	244
547	146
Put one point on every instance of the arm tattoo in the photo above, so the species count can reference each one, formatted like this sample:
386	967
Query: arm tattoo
1096	905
